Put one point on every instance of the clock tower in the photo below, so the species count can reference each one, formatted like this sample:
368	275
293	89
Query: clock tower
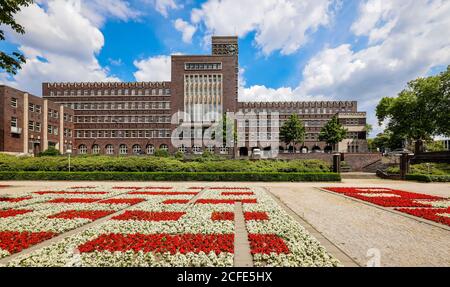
225	46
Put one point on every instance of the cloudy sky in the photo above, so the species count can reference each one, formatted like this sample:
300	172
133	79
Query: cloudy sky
289	49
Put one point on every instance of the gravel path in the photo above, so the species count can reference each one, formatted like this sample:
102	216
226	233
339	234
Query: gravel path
360	230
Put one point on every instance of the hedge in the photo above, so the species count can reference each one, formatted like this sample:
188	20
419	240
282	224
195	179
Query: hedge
157	164
428	178
170	176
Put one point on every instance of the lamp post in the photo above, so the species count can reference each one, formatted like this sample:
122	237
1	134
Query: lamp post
69	152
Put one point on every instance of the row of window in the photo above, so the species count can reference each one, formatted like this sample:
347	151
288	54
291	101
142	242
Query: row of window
124	134
112	92
123	149
52	130
202	66
122	119
352	122
289	111
34	108
119	106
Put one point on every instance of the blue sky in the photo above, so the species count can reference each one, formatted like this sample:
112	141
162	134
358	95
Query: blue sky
289	49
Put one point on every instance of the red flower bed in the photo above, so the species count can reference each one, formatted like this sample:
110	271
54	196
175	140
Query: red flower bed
87	214
160	243
149	216
429	213
70	192
13	199
237	193
225	201
267	243
390	201
175	201
73	200
5	186
222	216
130	201
401	193
13	212
163	192
14	241
229	188
256	215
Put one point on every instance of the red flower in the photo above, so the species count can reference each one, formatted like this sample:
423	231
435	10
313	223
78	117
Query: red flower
70	192
267	243
390	201
225	201
5	186
163	192
256	216
175	201
87	214
13	212
229	188
429	213
149	216
160	243
237	193
13	199
73	200
222	216
14	241
130	201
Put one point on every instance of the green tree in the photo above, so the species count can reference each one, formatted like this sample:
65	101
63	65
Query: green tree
11	62
293	131
51	151
419	112
432	146
332	132
368	128
386	140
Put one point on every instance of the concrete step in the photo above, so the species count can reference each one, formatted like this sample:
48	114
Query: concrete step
359	175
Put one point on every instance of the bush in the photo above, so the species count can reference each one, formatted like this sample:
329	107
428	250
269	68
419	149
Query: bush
179	155
50	152
161	153
170	176
423	168
428	178
157	164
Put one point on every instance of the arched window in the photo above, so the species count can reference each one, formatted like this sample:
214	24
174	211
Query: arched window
150	149
123	149
196	149
210	149
137	149
109	149
82	149
223	150
95	149
164	147
182	149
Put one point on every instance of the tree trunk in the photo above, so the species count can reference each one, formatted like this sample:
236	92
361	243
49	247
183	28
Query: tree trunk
418	147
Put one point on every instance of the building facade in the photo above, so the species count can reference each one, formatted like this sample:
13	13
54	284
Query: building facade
137	118
30	124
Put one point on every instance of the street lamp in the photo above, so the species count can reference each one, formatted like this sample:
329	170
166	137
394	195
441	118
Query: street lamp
69	152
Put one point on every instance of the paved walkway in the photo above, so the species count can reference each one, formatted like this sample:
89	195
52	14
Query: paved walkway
369	235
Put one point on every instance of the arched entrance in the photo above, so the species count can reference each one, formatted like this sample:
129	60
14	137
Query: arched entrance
316	148
328	149
243	151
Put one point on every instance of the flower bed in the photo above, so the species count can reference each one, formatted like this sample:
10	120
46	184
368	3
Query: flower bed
161	228
434	208
439	215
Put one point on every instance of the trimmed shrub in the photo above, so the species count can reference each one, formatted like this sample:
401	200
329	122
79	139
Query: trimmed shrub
428	178
170	176
50	152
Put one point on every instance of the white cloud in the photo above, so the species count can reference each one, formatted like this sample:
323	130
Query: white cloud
60	44
405	41
153	69
186	29
279	24
163	6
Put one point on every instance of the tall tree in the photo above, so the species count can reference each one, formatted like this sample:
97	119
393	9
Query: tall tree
332	132
8	8
293	131
419	112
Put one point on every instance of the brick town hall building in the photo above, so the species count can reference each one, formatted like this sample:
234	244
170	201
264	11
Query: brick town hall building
135	118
